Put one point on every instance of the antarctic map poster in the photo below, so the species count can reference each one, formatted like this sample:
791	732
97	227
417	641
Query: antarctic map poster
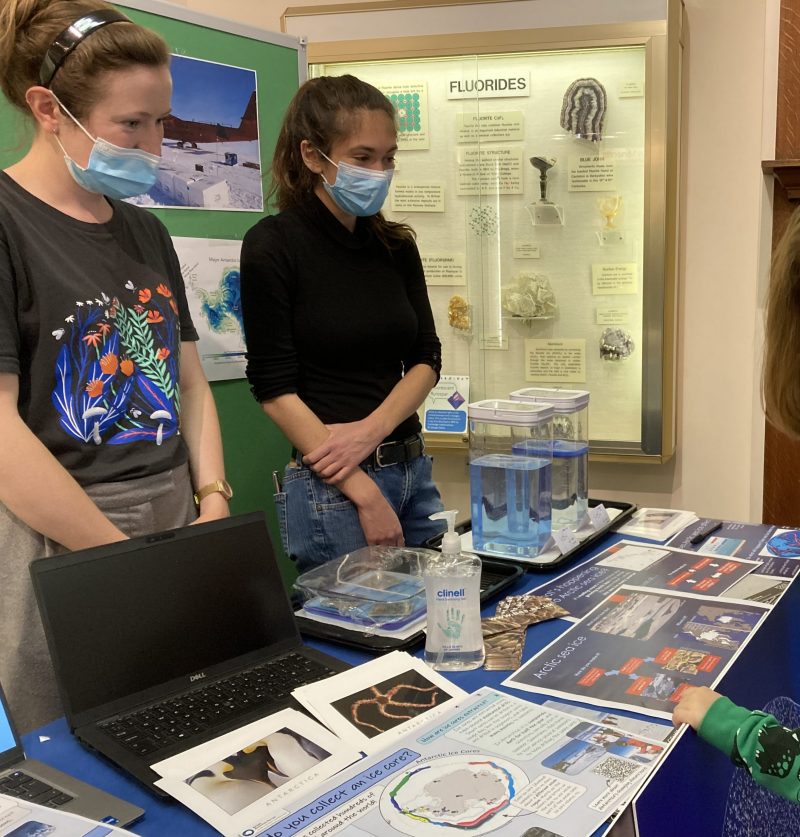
210	269
210	156
494	764
641	648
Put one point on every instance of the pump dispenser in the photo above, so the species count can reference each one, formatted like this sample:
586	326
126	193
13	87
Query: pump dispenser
454	641
451	542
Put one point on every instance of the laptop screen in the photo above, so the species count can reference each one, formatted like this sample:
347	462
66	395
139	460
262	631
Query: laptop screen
129	616
7	739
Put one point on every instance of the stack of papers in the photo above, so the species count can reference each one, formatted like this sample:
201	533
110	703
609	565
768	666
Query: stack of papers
414	753
492	763
379	701
657	524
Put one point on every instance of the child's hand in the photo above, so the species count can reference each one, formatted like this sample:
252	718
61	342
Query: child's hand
693	705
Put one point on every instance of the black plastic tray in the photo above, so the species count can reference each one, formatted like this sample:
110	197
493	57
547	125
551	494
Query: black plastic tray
625	509
496	576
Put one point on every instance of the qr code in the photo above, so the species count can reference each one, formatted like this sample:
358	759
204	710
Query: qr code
615	769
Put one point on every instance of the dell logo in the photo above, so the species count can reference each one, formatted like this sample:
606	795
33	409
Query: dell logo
193	677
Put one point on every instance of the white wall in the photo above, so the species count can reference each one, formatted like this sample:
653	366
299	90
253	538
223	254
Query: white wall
725	234
729	94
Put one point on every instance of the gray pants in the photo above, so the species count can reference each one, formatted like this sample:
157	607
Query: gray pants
137	507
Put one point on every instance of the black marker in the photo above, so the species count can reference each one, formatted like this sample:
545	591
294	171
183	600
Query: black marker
708	528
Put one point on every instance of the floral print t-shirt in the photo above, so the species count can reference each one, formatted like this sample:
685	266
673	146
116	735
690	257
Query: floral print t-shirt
91	320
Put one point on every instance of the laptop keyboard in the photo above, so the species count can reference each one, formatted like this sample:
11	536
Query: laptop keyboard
166	723
31	789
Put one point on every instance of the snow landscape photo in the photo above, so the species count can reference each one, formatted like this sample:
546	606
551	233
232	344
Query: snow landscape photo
210	155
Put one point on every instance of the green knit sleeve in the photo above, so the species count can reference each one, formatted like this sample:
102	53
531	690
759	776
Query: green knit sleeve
756	741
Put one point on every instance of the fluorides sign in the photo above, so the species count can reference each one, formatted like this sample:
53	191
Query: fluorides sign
489	86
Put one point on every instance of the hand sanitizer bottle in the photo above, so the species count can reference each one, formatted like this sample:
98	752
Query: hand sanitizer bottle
454	641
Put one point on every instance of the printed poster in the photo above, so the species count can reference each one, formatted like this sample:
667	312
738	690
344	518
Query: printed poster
494	764
641	648
380	700
778	567
745	540
245	778
758	587
657	730
640	565
210	268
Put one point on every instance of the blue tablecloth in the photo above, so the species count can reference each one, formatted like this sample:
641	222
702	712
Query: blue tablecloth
693	775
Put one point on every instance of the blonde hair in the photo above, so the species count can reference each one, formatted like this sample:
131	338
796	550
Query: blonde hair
29	27
323	111
780	383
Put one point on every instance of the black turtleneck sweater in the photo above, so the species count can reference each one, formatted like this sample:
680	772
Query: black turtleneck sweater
333	316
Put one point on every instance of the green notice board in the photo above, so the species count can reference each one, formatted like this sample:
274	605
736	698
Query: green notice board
254	447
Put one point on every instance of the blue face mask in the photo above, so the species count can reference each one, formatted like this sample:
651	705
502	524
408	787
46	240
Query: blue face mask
113	171
358	191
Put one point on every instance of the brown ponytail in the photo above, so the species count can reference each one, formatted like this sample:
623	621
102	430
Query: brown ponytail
29	27
781	375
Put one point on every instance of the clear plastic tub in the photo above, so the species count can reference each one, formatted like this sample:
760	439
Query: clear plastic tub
570	450
378	586
510	461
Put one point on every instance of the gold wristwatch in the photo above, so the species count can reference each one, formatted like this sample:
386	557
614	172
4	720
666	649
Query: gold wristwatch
222	487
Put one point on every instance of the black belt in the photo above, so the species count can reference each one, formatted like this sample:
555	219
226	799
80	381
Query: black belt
389	453
392	453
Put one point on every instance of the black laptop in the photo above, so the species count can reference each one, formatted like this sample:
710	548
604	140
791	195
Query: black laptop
163	642
29	780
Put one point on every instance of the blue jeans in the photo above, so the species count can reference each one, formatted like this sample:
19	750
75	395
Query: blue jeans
318	523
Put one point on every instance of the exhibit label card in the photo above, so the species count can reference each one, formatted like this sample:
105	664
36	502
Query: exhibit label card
626	562
445	408
495	170
410	100
631	90
640	649
493	342
555	360
526	250
614	278
443	269
492	764
612	316
417	197
494	126
592	173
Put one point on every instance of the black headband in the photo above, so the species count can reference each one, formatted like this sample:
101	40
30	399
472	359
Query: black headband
63	45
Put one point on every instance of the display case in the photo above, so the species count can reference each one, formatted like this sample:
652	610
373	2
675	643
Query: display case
540	173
